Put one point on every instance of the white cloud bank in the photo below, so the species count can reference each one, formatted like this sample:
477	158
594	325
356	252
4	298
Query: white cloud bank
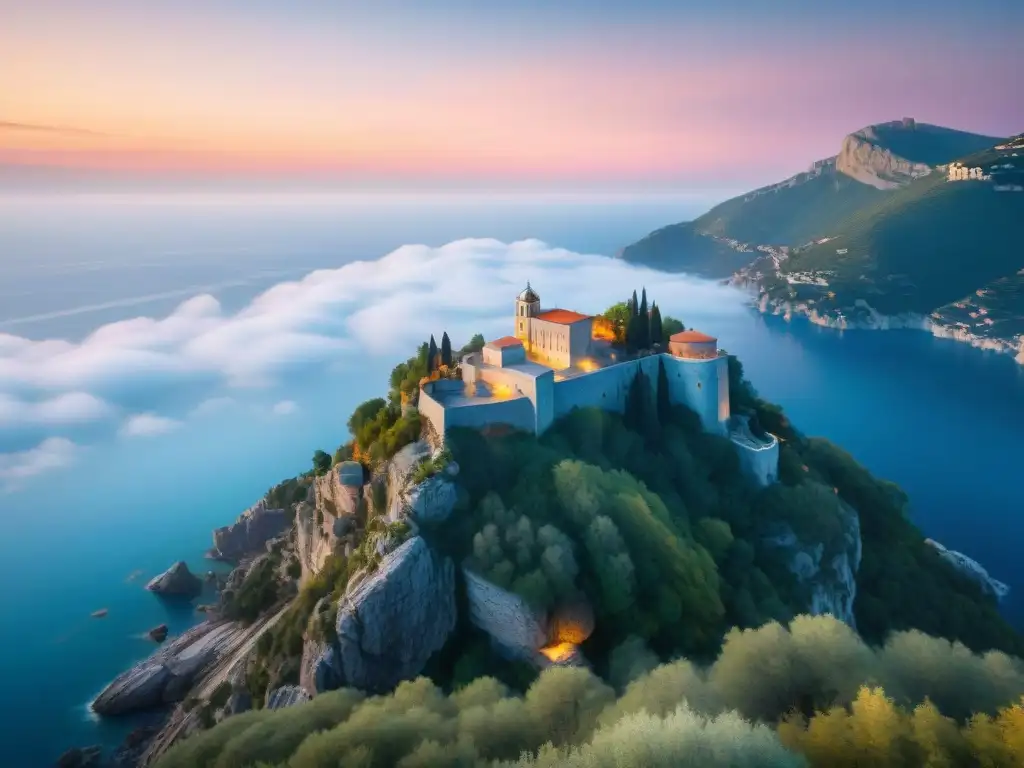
51	454
148	425
285	408
382	308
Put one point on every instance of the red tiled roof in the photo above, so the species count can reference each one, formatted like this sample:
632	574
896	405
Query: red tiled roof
505	341
691	337
562	316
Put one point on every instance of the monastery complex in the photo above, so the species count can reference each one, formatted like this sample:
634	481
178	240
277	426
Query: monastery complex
557	360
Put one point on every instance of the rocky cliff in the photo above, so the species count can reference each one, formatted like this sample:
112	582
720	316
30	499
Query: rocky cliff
429	501
830	577
863	159
393	619
250	533
329	517
515	629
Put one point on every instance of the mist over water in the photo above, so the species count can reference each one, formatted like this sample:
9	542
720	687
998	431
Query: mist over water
177	424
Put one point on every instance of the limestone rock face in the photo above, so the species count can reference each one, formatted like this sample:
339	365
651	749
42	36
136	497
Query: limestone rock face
250	533
399	473
166	675
433	500
287	696
868	163
392	620
176	581
516	630
833	580
333	493
328	514
314	540
428	502
319	669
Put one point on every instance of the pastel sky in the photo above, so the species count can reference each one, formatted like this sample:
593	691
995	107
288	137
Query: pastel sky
581	93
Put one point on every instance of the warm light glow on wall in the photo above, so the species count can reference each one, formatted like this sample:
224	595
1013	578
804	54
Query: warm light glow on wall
559	652
501	391
586	365
603	330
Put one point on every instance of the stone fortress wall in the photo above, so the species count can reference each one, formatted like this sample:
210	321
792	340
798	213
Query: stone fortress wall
501	385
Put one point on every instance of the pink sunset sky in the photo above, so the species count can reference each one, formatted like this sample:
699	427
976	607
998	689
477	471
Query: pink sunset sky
639	95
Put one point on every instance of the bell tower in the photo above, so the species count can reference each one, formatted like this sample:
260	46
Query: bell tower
527	306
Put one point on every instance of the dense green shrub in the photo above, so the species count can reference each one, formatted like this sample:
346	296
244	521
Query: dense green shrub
808	686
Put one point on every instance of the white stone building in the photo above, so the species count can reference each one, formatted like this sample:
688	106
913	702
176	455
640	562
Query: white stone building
554	364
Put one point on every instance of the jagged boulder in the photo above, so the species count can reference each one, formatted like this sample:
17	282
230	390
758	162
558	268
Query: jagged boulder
250	533
433	500
392	620
516	630
176	581
429	501
287	696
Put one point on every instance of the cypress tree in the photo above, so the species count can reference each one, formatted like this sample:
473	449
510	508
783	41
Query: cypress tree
446	349
664	402
631	325
432	355
657	336
645	324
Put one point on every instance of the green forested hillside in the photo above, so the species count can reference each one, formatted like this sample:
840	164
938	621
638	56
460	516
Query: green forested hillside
807	207
651	521
790	215
682	248
921	247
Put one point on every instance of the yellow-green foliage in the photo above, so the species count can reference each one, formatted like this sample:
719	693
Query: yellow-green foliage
813	694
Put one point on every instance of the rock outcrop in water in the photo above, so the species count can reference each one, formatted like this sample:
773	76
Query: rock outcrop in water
166	676
972	569
249	534
176	581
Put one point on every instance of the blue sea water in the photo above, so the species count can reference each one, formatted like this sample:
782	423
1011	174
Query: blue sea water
939	418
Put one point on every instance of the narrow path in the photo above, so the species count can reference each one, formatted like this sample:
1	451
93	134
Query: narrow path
247	642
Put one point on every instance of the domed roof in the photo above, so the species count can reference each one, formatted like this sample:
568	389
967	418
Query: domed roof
528	294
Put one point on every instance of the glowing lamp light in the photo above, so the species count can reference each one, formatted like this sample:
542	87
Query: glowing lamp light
502	391
560	652
587	365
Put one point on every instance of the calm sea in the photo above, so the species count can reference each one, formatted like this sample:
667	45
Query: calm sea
939	418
